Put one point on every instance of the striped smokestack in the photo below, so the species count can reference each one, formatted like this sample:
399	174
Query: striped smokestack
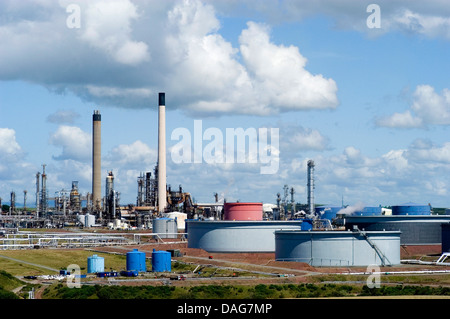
96	160
162	200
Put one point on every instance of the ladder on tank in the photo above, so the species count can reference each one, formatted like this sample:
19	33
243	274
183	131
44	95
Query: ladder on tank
383	258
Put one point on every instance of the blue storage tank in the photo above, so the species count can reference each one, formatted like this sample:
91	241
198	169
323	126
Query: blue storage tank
369	211
136	260
327	212
411	209
161	261
307	224
95	264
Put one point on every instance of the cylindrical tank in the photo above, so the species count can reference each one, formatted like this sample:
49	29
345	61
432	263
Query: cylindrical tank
165	227
415	229
95	264
227	236
327	211
81	218
89	220
445	237
369	211
338	248
136	260
307	224
411	209
243	211
161	261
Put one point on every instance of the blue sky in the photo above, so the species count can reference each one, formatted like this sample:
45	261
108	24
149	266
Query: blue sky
371	106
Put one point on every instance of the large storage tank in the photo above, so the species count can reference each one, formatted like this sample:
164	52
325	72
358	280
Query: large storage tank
161	261
338	248
236	236
327	211
179	217
411	209
243	211
446	237
95	264
136	260
415	229
369	211
165	227
89	220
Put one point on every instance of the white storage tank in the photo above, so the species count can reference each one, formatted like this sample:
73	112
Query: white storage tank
89	220
338	248
165	227
236	236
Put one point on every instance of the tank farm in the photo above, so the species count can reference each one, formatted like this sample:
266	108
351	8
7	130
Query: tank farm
167	237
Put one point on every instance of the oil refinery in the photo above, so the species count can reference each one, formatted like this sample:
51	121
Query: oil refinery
287	232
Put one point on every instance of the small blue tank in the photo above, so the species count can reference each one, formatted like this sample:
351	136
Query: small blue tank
307	224
95	264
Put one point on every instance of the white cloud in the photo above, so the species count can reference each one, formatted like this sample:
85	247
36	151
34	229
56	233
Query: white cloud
400	120
279	75
107	26
427	108
8	144
76	144
299	138
131	156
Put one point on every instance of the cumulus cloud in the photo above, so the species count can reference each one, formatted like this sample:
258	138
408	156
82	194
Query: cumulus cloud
124	52
279	75
427	108
75	143
298	138
134	155
107	26
8	144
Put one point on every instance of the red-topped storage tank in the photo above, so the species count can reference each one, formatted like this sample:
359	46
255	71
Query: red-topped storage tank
243	211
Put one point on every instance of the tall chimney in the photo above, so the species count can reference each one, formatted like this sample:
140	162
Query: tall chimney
310	185
162	200
96	161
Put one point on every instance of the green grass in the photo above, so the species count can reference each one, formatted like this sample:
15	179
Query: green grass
261	291
54	258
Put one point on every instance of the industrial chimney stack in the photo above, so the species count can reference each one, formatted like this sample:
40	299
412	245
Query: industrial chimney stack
96	161
162	200
310	185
